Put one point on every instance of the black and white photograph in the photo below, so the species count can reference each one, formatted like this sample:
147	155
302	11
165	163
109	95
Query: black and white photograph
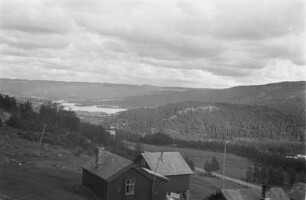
152	100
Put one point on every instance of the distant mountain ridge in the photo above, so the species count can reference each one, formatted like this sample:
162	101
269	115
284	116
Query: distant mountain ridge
137	96
261	94
76	91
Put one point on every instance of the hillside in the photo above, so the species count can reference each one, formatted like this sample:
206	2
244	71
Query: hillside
199	121
136	96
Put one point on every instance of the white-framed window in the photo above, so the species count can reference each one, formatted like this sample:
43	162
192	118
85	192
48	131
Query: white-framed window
130	186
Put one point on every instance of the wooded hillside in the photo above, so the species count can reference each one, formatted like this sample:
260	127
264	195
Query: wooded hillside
199	121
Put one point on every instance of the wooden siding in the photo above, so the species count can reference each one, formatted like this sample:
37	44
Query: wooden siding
142	186
178	183
115	189
95	184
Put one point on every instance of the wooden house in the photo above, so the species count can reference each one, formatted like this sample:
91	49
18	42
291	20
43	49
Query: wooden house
265	193
171	165
112	177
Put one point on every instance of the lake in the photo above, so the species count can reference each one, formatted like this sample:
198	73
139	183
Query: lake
93	108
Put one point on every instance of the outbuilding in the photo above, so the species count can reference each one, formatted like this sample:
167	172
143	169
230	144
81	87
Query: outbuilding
171	165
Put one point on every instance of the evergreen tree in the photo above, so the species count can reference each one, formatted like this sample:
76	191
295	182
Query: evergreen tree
207	166
139	148
214	164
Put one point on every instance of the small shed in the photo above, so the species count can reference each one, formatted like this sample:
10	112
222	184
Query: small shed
171	165
113	177
266	193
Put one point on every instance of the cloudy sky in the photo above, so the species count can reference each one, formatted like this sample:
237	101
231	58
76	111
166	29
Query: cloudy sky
190	43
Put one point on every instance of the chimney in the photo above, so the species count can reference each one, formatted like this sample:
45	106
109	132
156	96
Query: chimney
98	151
265	193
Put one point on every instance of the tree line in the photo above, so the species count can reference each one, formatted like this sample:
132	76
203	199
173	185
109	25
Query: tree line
63	127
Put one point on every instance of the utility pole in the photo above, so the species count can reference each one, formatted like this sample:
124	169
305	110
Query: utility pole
80	132
42	136
158	161
223	168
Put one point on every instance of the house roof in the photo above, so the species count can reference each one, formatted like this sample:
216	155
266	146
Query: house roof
297	192
109	165
151	174
253	194
171	163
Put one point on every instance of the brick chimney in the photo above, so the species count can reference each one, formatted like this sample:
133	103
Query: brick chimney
266	193
98	151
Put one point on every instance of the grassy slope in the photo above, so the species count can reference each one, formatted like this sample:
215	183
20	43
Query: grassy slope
25	174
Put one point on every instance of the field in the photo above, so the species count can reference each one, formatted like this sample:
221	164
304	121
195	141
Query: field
235	166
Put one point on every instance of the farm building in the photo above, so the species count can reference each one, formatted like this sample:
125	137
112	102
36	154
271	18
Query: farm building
171	165
266	193
113	177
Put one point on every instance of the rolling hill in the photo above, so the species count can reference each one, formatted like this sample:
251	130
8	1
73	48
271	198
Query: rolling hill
201	121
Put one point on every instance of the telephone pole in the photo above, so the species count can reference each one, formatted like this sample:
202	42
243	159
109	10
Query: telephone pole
41	138
224	157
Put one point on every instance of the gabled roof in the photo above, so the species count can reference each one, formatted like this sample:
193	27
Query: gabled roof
151	174
171	163
109	165
297	192
253	194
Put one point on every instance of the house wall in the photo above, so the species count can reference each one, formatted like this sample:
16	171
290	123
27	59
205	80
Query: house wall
178	183
142	186
95	184
115	188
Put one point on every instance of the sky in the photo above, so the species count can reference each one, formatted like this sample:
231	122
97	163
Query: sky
185	43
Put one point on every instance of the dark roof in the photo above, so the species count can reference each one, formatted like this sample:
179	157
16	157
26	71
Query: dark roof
253	194
297	192
171	163
109	165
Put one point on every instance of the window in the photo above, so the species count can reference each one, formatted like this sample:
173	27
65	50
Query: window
130	186
142	163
